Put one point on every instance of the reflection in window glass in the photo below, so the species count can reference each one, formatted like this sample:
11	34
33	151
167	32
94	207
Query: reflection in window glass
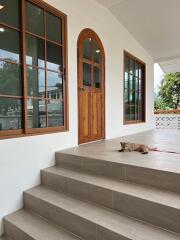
55	113
54	57
97	53
34	19
127	112
10	114
87	46
9	14
10	79
131	69
86	74
9	45
35	51
36	82
136	69
36	113
54	85
53	28
97	77
140	70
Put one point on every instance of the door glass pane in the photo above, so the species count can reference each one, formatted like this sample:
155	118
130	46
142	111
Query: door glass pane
9	13
87	46
55	113
53	28
9	45
10	114
54	57
86	74
34	19
54	85
97	53
35	51
36	113
10	79
36	82
97	77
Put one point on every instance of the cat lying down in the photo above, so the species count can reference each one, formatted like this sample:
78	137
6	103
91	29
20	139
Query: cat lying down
130	147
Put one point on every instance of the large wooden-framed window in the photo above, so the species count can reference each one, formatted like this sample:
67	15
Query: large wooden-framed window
33	68
134	89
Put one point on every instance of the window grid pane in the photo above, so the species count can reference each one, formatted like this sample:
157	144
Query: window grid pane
133	89
42	100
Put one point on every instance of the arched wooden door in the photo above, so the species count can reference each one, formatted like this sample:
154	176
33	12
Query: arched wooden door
91	87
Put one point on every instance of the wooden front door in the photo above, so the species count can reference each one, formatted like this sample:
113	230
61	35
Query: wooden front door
91	86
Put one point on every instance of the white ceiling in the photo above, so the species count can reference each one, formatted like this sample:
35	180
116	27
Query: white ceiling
170	66
154	23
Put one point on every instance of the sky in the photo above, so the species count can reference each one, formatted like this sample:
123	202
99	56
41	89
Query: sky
158	75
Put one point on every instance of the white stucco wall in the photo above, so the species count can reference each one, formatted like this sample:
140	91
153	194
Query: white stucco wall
22	158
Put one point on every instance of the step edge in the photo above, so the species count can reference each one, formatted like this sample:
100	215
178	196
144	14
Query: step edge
36	215
114	191
108	209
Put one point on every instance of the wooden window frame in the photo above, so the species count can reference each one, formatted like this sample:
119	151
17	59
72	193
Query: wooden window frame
25	131
143	92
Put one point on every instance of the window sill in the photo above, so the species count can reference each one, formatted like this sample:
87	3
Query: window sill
31	132
134	122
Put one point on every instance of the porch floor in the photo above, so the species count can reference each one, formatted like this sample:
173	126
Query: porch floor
162	139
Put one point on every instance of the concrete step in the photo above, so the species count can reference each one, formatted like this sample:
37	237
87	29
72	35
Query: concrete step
23	225
155	177
90	221
156	206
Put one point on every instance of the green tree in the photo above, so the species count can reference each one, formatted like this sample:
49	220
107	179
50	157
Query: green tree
169	93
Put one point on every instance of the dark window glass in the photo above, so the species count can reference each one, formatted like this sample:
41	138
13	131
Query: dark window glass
10	14
53	28
34	19
97	53
86	74
97	77
54	57
136	69
127	112
36	82
54	85
55	113
131	66
9	45
10	79
36	113
10	114
133	92
35	54
87	48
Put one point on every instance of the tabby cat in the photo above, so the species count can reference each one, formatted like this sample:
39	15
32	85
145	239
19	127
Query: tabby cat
130	147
